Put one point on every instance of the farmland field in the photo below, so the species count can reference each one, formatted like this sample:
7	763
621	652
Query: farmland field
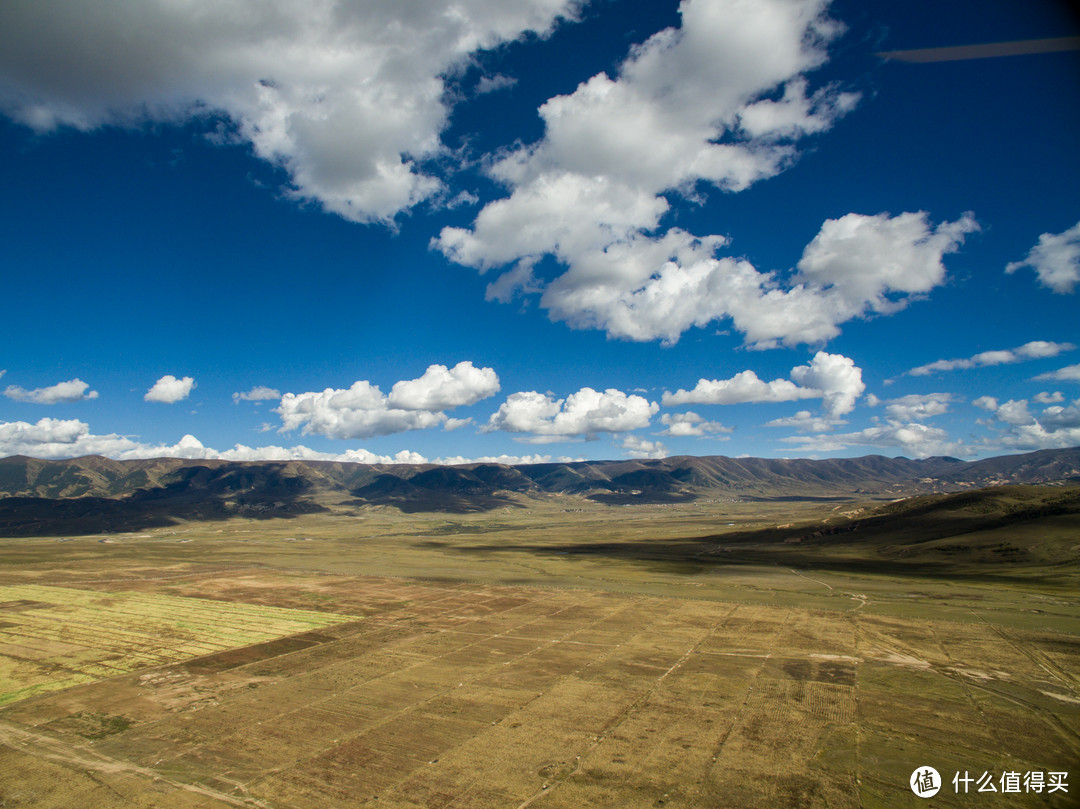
54	637
481	662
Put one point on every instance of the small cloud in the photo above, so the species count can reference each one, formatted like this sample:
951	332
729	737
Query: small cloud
74	390
491	84
1015	412
637	447
833	378
552	439
169	389
918	406
1070	373
805	422
441	388
580	415
259	393
1057	397
691	424
1055	259
462	198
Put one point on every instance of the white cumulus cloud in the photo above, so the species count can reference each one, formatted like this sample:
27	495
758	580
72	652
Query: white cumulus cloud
1045	397
441	387
70	438
833	378
918	406
867	260
359	411
302	453
723	101
74	390
1017	428
580	415
169	389
745	386
509	460
914	439
691	424
837	378
347	97
363	410
1055	259
642	287
56	438
1015	412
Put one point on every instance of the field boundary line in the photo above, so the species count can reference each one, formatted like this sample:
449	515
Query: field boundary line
742	708
1049	666
478	676
626	712
366	683
207	574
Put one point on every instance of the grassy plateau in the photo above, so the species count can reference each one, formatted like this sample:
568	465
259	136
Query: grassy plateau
555	652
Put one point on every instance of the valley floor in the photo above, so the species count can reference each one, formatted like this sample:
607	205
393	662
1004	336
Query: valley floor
689	656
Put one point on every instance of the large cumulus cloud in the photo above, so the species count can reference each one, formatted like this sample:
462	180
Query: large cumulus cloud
724	100
346	95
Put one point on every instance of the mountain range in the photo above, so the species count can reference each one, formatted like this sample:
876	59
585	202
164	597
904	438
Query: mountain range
93	493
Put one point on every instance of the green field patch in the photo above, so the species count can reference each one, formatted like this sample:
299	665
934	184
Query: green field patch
55	637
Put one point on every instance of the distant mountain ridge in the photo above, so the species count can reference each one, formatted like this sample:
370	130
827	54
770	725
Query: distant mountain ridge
82	489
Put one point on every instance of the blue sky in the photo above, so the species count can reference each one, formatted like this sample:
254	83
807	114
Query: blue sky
536	229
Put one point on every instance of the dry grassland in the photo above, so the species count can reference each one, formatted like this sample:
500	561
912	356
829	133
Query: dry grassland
660	657
463	695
